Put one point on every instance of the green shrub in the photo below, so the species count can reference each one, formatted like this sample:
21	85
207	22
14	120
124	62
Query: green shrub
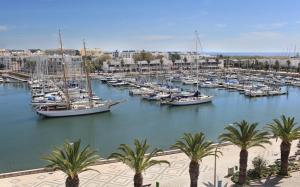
260	167
262	170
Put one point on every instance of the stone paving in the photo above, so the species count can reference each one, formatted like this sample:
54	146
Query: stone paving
119	175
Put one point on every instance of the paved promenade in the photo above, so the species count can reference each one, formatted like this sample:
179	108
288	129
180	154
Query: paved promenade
119	175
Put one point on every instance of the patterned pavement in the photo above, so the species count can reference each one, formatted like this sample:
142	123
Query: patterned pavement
119	175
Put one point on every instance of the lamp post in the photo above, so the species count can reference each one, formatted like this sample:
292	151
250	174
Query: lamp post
215	168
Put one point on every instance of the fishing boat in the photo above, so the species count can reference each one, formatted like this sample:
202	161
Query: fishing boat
75	109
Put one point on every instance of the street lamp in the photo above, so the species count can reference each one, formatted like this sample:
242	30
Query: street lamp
215	168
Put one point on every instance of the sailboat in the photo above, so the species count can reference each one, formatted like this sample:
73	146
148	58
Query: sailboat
197	98
76	108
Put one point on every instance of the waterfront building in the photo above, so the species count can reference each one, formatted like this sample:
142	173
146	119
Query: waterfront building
95	52
4	52
54	66
5	61
115	54
71	52
128	54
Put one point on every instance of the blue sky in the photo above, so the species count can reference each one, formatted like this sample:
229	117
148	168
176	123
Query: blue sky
223	25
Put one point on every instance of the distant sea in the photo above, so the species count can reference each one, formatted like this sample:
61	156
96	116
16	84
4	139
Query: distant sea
250	53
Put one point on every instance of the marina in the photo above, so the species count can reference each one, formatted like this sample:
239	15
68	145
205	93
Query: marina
149	93
136	118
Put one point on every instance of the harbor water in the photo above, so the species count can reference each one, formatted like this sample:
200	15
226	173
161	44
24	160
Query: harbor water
25	137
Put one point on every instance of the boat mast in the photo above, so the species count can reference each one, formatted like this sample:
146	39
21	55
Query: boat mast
88	80
64	71
197	81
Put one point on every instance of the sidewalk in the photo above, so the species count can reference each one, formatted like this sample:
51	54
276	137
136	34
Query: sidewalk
119	175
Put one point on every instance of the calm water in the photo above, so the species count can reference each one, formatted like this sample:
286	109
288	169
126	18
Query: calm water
25	137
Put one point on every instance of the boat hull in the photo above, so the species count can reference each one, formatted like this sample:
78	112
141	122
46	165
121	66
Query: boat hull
74	112
192	102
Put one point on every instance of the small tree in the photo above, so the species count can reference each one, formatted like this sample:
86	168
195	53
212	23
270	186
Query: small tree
108	64
266	65
259	165
136	65
161	62
185	61
174	57
277	65
122	64
288	63
248	63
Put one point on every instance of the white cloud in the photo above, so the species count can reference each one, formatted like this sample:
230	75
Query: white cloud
3	28
157	37
261	35
220	25
270	26
279	24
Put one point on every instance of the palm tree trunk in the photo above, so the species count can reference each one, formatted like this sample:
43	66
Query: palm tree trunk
285	148
72	182
243	166
194	173
138	180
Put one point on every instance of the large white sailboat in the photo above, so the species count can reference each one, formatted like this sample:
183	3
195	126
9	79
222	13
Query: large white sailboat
76	108
197	98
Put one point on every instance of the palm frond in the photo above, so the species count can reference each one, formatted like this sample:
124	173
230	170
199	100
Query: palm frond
70	159
285	128
245	135
136	158
195	146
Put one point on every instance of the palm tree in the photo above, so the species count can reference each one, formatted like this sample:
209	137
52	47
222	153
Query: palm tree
122	63
161	61
108	64
287	131
72	160
185	61
196	147
288	63
137	160
245	136
247	64
267	66
277	65
136	65
173	63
